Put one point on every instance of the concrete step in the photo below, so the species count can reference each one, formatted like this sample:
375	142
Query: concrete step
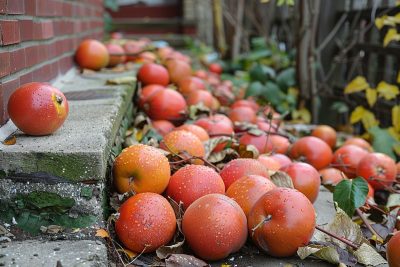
55	253
61	178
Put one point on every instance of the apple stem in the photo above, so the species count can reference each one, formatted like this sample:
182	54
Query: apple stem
344	240
368	225
59	99
268	218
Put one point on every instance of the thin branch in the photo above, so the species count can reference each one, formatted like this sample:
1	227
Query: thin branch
332	34
367	224
344	240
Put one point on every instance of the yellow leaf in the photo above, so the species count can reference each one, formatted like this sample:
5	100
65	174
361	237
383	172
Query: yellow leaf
396	117
380	22
225	265
371	95
398	77
358	84
128	253
102	233
301	115
396	148
368	120
387	91
391	35
394	133
293	91
357	114
11	140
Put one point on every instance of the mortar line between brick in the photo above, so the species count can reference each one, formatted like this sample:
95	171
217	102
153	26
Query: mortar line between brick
39	65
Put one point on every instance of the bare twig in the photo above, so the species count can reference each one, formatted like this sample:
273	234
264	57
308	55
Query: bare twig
367	224
344	240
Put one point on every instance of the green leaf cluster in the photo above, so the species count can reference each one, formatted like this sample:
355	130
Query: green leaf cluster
36	209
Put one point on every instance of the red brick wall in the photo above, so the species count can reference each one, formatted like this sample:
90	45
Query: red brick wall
38	39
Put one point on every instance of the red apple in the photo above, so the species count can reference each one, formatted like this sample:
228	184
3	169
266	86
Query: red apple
305	178
38	108
281	221
238	168
378	169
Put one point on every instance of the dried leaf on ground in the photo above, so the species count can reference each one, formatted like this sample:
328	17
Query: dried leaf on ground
102	233
223	156
164	251
9	141
121	80
343	226
88	72
247	151
282	179
367	255
51	229
197	110
325	253
128	253
183	260
212	143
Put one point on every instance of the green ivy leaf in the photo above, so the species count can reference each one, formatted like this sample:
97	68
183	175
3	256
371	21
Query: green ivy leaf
382	141
273	94
351	194
262	73
255	89
286	78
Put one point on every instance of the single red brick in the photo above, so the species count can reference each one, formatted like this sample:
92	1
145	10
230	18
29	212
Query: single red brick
9	30
26	29
15	7
31	55
30	7
4	64
46	8
17	60
67	9
43	30
58	9
69	26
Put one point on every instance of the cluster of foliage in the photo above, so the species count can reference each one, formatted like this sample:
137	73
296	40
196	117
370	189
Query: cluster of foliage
386	140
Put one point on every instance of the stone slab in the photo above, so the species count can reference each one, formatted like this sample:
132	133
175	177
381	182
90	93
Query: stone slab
79	150
53	253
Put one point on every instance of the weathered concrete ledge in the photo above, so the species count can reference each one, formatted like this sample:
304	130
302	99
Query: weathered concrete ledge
79	150
55	253
60	179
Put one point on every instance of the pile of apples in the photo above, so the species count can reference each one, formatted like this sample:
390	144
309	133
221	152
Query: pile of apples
222	208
